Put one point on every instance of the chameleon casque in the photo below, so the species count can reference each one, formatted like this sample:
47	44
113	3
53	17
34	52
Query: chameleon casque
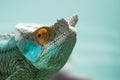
35	52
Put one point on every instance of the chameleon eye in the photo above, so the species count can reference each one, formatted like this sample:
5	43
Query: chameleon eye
44	34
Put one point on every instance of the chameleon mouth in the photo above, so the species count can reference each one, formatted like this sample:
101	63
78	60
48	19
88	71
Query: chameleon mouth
61	38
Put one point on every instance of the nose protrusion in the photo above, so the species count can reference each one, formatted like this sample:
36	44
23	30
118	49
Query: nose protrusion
73	20
61	25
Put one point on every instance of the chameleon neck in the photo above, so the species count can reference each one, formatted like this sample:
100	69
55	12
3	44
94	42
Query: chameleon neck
7	43
51	63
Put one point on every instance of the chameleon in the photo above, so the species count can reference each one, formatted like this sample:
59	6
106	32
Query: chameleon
36	52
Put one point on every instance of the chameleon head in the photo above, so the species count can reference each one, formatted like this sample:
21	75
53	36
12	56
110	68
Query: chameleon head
47	47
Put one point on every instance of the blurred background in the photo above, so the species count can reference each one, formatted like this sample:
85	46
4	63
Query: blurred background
96	55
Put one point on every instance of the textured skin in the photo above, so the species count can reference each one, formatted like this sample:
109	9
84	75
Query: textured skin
13	62
16	65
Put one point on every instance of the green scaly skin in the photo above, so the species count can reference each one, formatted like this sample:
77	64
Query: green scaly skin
14	65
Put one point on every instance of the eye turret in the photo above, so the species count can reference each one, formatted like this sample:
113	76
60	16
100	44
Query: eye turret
44	35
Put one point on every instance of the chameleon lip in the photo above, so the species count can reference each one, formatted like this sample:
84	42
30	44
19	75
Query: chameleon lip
70	33
61	37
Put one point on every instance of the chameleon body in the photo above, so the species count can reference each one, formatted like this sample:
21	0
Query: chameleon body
36	52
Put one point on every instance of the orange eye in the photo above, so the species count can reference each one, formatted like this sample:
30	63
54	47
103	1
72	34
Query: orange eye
44	34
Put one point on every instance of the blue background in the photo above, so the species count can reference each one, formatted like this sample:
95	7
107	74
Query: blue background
97	52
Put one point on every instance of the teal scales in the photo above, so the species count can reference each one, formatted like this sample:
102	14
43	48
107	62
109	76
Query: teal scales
35	52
